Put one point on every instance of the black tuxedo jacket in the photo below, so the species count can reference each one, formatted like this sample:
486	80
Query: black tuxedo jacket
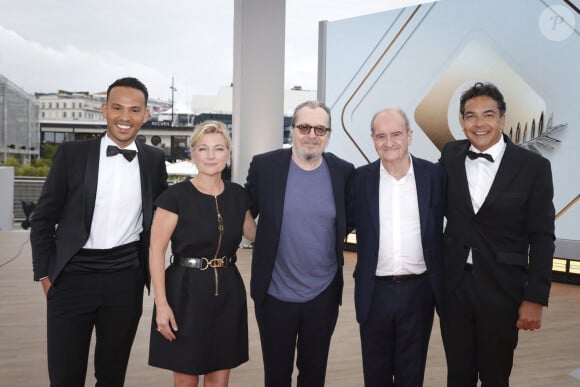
266	186
429	180
511	236
62	219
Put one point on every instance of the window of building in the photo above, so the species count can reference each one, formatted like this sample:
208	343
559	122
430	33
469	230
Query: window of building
63	114
48	137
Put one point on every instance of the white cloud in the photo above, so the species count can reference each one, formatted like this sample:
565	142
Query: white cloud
84	46
38	68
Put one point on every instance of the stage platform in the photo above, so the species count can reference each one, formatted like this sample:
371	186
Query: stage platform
548	357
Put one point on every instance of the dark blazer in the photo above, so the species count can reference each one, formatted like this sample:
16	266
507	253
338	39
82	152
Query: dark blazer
62	219
429	180
512	235
266	186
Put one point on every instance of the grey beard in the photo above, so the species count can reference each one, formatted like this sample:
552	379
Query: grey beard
307	156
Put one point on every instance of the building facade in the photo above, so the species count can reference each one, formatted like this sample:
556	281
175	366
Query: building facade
19	126
27	122
70	106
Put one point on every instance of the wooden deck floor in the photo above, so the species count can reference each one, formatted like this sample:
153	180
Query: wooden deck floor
548	357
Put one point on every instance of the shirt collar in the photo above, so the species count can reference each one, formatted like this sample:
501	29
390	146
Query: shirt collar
106	141
410	172
495	150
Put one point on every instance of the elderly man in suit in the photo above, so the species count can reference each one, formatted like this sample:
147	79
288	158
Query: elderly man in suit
300	196
397	207
90	240
498	244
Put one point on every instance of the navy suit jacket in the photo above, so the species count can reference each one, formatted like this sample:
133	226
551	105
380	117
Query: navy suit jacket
512	234
61	222
266	187
429	180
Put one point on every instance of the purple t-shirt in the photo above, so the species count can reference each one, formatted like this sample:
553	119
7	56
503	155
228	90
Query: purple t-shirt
306	261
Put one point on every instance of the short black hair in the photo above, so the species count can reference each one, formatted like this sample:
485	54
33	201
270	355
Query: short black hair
131	82
483	89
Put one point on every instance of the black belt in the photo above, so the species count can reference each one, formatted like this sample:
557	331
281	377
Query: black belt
400	278
205	263
468	267
105	260
119	251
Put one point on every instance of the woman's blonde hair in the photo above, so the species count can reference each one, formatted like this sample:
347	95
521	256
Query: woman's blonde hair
209	127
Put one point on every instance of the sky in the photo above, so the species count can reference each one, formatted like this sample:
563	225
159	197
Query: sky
51	45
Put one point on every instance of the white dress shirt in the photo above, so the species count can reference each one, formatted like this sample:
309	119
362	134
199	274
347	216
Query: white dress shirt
400	246
480	175
118	216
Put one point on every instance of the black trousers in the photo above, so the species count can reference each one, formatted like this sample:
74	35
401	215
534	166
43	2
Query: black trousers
307	327
395	335
479	339
112	304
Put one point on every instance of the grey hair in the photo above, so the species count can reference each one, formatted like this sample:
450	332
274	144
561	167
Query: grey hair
398	110
311	105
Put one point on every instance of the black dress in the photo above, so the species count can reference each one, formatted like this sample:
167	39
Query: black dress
213	329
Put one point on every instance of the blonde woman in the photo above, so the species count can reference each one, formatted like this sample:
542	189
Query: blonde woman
200	324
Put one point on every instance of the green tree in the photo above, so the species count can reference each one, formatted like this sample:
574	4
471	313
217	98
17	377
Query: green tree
12	162
48	151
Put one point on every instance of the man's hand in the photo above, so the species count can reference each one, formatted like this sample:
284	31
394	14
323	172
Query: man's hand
530	316
46	284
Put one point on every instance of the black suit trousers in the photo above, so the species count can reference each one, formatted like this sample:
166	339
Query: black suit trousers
395	335
307	327
479	339
109	302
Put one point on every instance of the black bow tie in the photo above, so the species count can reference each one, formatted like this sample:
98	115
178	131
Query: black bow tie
129	154
473	155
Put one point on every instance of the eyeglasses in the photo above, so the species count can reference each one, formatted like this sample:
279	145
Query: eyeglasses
305	129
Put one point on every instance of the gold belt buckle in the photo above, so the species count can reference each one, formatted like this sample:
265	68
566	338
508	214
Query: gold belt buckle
214	263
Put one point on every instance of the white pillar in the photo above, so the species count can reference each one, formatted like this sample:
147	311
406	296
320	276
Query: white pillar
258	92
6	198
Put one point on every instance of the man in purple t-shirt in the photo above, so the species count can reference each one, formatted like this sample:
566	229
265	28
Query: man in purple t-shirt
300	196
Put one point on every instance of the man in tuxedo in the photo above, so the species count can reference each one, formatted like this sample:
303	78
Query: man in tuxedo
498	243
90	241
300	195
397	207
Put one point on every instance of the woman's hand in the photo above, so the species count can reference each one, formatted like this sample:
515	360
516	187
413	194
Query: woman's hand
165	320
